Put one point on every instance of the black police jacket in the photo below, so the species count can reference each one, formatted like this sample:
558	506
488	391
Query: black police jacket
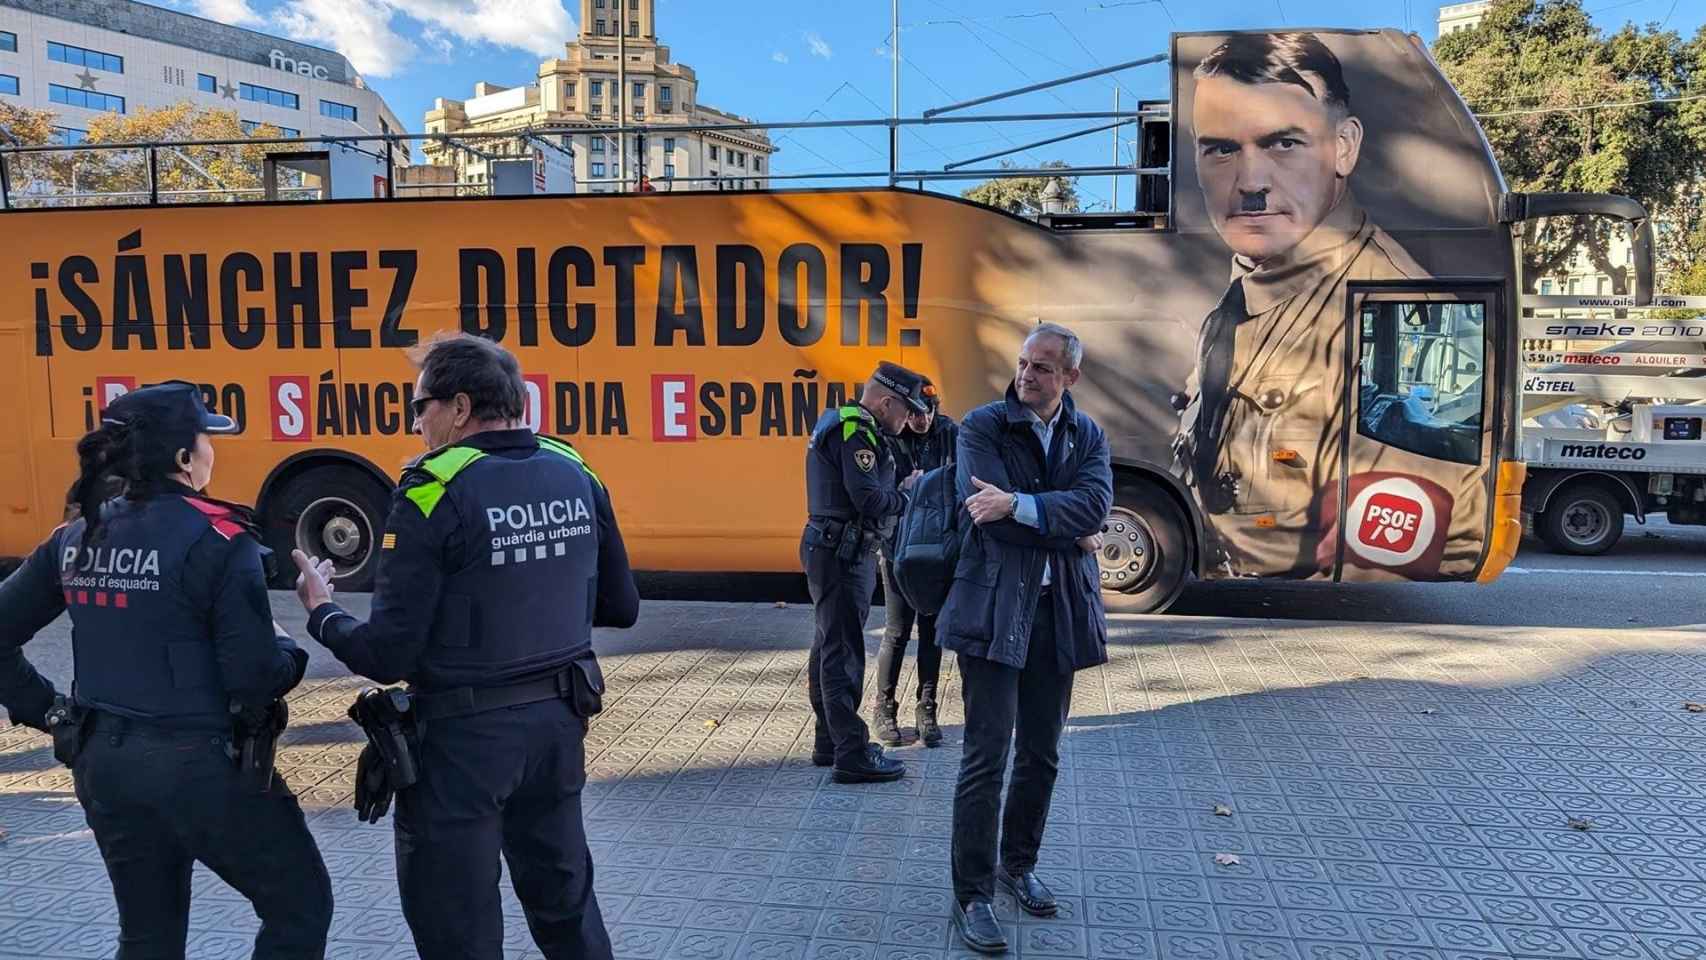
169	614
500	555
850	469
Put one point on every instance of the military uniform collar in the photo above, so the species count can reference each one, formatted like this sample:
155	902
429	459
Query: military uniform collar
1334	242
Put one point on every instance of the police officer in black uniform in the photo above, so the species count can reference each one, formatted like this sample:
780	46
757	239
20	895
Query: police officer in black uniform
171	638
853	500
500	555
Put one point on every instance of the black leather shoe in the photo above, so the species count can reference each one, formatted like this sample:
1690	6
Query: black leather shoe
823	759
872	768
1034	898
978	927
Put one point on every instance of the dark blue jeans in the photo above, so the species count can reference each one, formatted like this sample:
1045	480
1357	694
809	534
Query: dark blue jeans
1028	709
505	781
160	800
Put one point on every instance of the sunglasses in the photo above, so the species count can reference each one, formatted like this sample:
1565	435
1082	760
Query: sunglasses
418	405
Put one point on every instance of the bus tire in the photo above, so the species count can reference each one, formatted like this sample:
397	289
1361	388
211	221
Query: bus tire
1145	559
1584	519
334	512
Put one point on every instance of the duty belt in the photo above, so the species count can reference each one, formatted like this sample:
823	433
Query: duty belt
465	701
583	690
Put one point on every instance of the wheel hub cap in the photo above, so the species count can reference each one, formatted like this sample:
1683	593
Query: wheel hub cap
1128	551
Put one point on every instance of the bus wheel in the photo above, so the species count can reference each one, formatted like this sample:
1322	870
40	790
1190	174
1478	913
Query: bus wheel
336	513
1585	519
1145	556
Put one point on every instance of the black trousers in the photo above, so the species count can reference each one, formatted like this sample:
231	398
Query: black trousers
897	630
160	800
1027	707
841	600
505	781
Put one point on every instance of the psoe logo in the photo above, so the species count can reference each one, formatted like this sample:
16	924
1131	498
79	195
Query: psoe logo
1394	522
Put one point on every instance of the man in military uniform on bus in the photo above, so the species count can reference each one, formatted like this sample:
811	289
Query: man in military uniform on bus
1263	412
853	499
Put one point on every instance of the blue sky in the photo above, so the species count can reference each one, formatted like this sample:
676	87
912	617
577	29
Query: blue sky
829	58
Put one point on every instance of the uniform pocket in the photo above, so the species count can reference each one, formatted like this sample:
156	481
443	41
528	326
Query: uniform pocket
454	627
1274	446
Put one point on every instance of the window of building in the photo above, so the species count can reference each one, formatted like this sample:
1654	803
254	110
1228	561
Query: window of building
633	4
668	144
337	111
1604	286
278	98
88	99
757	164
8	84
639	90
595	110
740	159
599	32
715	150
669	169
250	126
8	41
633	28
207	83
597	89
598	169
569	90
598	4
78	56
1546	286
69	136
597	144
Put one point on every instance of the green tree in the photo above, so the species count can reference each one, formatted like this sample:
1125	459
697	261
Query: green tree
123	174
1023	195
1567	108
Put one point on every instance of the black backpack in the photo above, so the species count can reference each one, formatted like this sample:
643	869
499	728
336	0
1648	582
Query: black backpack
927	541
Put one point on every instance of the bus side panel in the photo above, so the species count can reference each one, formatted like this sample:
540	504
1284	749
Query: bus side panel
21	525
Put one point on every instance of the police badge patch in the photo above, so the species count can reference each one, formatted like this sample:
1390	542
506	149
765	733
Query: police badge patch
866	459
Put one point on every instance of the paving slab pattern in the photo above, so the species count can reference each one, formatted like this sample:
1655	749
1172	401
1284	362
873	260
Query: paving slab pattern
1395	793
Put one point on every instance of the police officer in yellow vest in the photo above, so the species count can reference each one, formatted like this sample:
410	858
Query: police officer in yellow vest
852	500
500	555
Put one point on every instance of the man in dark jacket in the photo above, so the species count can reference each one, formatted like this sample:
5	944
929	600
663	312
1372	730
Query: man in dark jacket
927	443
1024	613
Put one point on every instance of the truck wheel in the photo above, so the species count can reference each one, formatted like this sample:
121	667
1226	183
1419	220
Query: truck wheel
336	513
1145	556
1584	519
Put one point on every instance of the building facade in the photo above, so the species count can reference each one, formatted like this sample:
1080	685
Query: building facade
1462	16
584	89
79	58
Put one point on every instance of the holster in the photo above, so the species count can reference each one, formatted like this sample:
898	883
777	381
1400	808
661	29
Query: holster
68	722
254	743
389	762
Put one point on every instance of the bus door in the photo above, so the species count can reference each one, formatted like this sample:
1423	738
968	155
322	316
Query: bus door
1420	447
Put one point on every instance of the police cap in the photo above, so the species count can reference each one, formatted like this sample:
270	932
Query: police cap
169	408
907	385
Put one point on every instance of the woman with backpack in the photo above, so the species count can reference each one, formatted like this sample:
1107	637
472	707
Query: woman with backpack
927	443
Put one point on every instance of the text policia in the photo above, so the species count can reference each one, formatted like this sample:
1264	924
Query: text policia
243	296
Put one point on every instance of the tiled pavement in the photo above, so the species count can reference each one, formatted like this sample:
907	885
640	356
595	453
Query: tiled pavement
1396	793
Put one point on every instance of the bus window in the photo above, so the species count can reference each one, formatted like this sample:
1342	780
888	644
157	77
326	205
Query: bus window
1421	377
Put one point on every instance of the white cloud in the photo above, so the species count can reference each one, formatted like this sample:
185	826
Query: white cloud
359	29
819	48
779	57
881	51
238	13
370	32
539	27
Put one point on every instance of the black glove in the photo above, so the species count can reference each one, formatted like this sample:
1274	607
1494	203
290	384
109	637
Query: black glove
373	790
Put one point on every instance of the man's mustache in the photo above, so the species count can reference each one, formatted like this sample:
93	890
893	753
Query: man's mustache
1256	202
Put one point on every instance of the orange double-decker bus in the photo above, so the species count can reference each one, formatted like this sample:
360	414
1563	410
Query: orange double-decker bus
1303	349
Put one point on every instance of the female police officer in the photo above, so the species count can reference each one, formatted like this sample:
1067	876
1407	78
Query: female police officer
171	637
